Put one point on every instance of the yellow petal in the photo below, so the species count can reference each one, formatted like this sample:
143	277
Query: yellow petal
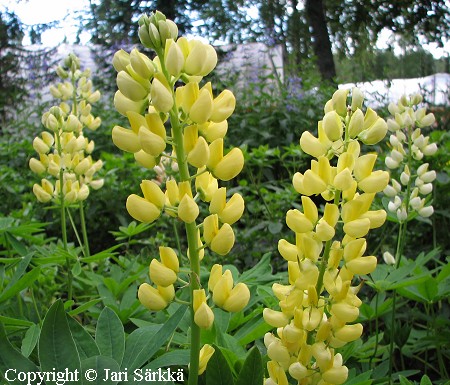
311	145
141	209
233	209
238	298
362	265
131	88
222	288
274	318
162	98
230	166
126	139
188	210
202	108
357	228
151	143
375	182
161	275
206	353
151	298
169	258
223	106
204	317
153	193
332	124
223	241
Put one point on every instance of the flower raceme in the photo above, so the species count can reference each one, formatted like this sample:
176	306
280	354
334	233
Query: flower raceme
185	125
318	306
64	151
411	178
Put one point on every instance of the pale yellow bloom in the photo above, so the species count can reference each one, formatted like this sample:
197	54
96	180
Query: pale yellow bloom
206	353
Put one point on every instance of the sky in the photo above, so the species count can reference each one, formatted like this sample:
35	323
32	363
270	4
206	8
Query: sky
40	12
33	12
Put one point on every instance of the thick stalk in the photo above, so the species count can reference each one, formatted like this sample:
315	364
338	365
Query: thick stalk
191	229
192	234
398	255
326	252
63	220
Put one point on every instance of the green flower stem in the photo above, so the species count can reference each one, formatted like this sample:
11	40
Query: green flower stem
398	255
87	252
72	222
192	238
326	252
191	228
63	221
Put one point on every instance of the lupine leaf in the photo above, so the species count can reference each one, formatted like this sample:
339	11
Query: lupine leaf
110	336
57	349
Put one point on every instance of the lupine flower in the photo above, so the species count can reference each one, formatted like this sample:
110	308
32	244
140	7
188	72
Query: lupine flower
408	147
64	151
193	121
318	306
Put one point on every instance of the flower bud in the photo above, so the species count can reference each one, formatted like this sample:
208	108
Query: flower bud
124	105
332	125
174	58
426	211
356	124
161	97
357	98
203	316
188	210
339	99
131	88
141	64
388	258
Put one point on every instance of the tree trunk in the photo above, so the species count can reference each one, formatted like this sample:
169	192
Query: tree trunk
321	40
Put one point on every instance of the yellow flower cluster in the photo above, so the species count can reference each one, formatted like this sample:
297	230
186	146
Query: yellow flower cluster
63	150
166	105
319	305
410	190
